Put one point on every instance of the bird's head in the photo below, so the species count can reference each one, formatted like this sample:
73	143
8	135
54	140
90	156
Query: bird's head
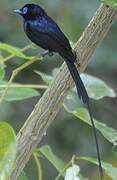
30	11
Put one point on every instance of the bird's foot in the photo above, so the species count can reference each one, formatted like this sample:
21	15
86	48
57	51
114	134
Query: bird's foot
50	53
47	52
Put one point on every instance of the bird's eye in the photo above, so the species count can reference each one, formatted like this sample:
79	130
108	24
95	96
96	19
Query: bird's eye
25	10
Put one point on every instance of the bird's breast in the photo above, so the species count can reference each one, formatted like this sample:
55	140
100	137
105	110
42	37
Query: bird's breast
36	35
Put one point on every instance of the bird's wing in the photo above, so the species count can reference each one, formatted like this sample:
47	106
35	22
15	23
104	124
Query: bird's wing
47	26
56	33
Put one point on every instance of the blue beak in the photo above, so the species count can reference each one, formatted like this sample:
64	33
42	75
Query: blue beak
18	11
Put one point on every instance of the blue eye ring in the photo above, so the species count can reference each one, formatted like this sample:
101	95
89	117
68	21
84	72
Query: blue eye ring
25	10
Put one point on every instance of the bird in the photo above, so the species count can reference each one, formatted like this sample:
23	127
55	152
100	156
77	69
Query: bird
42	30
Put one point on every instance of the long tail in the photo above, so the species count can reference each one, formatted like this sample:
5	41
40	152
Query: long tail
85	98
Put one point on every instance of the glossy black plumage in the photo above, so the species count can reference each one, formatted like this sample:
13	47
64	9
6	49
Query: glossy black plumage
43	31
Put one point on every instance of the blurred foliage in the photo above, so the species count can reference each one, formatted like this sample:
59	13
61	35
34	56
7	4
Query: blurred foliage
65	136
8	149
64	169
112	3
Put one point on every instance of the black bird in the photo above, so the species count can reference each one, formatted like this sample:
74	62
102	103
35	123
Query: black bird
43	31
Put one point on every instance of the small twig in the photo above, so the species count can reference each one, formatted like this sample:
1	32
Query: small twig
63	171
39	168
14	73
22	50
34	86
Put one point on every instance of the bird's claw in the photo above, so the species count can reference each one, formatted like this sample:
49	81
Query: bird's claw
47	52
50	53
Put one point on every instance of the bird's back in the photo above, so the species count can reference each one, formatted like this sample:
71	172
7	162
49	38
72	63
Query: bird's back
44	32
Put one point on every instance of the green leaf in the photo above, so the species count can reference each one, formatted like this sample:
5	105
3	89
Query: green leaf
73	45
16	94
54	160
46	78
8	148
109	133
109	169
2	73
72	173
97	88
112	3
23	176
13	50
1	57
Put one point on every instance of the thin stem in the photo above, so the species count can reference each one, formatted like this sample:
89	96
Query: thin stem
22	50
39	169
64	169
14	73
35	86
73	159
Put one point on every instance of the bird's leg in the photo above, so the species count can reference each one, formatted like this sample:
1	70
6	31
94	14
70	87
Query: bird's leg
50	53
47	52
